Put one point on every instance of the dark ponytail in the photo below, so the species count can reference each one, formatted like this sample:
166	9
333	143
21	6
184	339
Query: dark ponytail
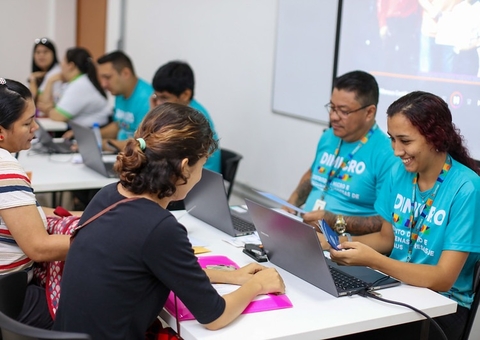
84	62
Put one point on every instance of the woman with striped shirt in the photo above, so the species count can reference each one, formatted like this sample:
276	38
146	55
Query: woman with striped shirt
23	236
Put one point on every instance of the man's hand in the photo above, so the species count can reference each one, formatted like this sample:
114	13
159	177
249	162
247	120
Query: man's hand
313	217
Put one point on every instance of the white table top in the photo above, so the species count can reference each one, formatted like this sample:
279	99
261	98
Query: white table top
52	125
57	173
315	314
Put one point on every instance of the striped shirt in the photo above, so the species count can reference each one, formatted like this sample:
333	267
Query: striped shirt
15	191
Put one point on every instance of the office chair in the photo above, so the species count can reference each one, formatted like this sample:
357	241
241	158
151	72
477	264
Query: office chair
475	303
230	161
14	330
13	287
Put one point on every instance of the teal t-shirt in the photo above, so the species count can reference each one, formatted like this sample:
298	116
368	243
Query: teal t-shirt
355	188
129	112
214	161
452	222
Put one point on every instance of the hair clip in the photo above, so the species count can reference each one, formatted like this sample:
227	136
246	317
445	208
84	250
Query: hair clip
142	143
2	81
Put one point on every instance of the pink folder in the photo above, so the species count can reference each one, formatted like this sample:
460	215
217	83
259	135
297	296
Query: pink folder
270	303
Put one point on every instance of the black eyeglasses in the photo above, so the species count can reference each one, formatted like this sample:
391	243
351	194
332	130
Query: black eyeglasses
342	113
42	41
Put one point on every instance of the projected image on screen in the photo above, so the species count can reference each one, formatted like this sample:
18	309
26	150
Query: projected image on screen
428	45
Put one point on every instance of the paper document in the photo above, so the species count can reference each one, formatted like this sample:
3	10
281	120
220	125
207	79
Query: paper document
281	201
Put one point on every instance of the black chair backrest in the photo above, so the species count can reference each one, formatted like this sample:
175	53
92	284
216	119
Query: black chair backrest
12	293
230	161
476	302
14	330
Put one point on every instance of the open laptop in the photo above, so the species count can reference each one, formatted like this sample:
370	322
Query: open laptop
208	202
91	154
47	142
295	247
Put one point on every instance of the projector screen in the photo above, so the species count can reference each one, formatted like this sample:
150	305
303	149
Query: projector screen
408	48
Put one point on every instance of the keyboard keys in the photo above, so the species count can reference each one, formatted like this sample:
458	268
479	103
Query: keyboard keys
242	225
346	282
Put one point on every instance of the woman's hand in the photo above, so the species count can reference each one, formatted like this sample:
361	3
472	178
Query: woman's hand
242	275
354	254
36	75
270	281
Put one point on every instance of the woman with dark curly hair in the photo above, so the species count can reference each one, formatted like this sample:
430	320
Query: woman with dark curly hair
430	215
122	266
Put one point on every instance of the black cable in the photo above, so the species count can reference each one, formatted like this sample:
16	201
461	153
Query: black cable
369	293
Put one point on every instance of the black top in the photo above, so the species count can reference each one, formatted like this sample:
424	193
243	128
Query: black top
122	266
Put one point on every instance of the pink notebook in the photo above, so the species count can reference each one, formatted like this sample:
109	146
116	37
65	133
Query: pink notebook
269	302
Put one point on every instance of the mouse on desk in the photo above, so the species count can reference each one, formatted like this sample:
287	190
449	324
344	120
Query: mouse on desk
256	252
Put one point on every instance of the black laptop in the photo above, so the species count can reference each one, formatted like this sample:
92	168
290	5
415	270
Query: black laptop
295	247
208	202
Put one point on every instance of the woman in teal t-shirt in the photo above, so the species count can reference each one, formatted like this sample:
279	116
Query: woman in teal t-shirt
430	228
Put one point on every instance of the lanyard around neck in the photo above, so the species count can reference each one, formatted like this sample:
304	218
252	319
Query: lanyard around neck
334	171
417	224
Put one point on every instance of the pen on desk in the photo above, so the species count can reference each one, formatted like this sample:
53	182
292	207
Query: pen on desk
186	212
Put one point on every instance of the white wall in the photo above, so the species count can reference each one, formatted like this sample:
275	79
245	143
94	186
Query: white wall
231	46
23	21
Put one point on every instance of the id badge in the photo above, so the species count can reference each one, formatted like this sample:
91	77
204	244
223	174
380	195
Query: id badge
319	205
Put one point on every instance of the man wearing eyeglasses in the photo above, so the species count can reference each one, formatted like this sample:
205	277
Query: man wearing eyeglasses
353	157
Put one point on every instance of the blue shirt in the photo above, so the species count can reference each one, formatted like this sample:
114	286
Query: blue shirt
129	112
452	222
355	188
214	161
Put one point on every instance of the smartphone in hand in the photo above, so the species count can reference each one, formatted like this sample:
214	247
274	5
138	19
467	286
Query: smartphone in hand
330	235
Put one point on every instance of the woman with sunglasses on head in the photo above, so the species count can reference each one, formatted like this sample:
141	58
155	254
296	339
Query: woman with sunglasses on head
122	265
83	100
44	65
430	214
23	236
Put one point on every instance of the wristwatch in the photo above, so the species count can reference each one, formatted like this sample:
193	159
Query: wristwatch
340	225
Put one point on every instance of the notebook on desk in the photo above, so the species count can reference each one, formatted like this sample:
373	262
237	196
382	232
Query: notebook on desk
295	247
208	202
49	144
91	153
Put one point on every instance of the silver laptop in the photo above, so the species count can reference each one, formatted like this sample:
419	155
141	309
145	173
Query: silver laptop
208	202
91	153
295	247
49	144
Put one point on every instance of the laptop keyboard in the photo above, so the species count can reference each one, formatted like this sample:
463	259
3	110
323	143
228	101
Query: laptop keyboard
345	282
242	225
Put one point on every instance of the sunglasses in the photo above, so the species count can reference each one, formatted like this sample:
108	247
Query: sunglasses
42	41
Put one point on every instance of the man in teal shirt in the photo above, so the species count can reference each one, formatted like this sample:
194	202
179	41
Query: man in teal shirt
117	75
174	82
352	160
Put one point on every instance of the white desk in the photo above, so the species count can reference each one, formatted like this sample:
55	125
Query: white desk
52	125
57	173
315	314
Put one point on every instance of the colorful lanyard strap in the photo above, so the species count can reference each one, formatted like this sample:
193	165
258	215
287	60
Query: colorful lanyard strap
417	225
334	171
